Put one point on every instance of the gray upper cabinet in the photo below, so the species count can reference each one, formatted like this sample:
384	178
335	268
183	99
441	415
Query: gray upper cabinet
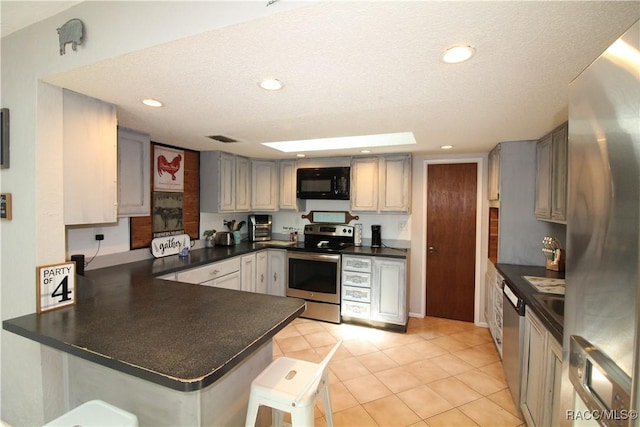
551	176
543	178
134	184
519	233
493	184
224	182
287	199
264	185
242	184
381	184
90	154
559	176
395	183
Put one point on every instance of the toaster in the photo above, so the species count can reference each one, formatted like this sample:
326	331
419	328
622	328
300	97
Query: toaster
223	238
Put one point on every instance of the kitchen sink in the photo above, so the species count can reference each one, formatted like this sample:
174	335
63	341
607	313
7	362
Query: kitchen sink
554	305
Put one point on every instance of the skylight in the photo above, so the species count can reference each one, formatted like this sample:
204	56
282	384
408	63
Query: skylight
344	142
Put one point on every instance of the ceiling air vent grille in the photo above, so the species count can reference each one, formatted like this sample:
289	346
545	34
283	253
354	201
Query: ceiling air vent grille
222	138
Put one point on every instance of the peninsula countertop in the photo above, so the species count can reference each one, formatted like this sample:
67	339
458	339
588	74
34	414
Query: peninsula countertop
178	335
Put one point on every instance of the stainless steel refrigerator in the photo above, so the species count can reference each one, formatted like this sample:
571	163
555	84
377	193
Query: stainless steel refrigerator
601	305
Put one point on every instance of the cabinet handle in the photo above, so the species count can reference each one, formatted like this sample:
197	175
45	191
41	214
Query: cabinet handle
214	272
275	276
262	278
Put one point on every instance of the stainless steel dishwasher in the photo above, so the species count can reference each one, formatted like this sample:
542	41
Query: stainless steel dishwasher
512	340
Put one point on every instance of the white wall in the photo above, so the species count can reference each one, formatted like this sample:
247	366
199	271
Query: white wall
35	236
30	376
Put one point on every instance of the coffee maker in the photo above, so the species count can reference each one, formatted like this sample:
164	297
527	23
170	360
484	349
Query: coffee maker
376	238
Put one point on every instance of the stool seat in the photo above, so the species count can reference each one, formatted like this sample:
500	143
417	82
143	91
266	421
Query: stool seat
292	385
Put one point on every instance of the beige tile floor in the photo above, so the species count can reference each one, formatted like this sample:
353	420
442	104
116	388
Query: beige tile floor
440	373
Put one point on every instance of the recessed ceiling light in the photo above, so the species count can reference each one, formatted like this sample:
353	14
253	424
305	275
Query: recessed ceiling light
300	155
446	147
365	151
271	84
341	143
457	54
150	102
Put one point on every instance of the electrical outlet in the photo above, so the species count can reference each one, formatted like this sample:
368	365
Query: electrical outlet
99	237
402	225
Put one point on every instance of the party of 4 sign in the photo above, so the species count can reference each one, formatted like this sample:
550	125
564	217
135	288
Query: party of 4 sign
56	286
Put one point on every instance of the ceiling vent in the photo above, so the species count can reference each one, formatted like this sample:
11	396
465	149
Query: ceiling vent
222	138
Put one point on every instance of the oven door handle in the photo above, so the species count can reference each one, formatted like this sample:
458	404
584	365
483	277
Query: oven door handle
313	256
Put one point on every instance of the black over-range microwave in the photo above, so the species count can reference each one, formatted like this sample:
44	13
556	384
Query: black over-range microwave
323	183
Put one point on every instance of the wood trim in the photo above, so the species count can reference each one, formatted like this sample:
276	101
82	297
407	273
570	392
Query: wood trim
140	228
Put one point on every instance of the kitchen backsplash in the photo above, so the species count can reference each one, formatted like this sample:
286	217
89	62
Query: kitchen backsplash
114	249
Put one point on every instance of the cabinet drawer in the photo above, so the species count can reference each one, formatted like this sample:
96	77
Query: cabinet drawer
350	278
210	271
361	264
356	309
350	293
498	299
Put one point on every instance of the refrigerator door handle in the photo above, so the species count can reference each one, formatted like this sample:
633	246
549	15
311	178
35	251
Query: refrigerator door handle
601	384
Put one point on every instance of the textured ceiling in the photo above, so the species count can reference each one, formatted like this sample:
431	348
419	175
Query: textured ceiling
354	68
15	15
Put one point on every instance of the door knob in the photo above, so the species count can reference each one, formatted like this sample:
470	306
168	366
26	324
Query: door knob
431	250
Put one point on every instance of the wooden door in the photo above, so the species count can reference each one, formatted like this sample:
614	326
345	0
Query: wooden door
451	240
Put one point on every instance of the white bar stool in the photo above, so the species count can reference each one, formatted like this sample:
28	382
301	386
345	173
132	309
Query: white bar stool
291	385
95	413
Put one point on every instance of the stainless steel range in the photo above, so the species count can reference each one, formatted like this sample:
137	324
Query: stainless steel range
313	272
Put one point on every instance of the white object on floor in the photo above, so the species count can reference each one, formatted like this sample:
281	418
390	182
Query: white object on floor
95	413
292	385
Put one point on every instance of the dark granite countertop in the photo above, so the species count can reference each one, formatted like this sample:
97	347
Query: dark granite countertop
178	335
513	274
383	251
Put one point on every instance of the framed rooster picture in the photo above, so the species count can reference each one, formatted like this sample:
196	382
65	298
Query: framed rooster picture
168	166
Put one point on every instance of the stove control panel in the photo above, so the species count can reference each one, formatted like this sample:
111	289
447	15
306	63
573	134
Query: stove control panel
335	230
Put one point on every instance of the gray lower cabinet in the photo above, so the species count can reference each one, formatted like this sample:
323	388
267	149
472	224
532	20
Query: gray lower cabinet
262	271
357	278
374	289
276	259
541	374
389	302
222	274
248	272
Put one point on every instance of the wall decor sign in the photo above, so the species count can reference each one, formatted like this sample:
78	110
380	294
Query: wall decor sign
168	213
71	32
168	169
5	206
169	245
4	138
56	286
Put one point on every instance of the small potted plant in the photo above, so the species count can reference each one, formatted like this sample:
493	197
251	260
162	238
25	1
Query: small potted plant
208	238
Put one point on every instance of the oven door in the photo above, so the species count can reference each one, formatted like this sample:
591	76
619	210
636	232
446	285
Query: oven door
313	276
